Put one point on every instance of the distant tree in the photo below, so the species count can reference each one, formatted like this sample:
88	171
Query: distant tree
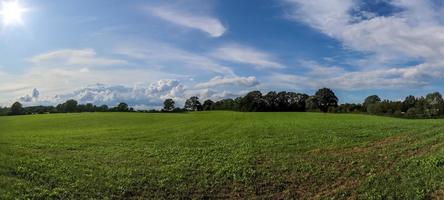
434	101
70	106
122	107
17	109
375	108
208	105
297	101
89	107
283	101
193	104
409	102
271	99
349	108
411	113
326	98
373	99
168	105
253	102
311	103
103	108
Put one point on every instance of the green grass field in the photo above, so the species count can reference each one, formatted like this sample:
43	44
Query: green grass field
220	155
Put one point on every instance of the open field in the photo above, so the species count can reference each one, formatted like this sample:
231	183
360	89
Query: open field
220	154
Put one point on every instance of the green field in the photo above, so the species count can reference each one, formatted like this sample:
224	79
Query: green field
220	155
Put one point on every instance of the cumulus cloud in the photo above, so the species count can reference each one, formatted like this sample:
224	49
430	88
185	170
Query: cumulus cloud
139	95
247	55
30	98
227	81
208	24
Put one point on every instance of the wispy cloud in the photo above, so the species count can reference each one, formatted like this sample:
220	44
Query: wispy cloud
161	54
227	81
413	32
66	57
208	24
247	55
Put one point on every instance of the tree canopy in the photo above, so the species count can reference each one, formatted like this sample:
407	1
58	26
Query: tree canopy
325	98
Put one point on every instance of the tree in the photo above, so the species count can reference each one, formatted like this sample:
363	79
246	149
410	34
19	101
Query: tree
208	105
253	102
283	101
89	107
17	109
271	98
103	108
434	100
168	105
193	104
373	99
326	98
70	106
409	102
122	107
311	103
296	101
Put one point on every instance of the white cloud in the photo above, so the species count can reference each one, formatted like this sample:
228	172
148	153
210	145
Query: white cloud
30	98
247	55
160	54
139	96
414	32
148	96
207	24
390	78
68	75
69	57
226	81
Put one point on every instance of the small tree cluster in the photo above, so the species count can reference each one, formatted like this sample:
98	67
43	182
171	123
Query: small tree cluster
69	106
431	106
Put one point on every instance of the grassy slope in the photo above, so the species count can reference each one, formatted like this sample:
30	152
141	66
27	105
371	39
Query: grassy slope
220	154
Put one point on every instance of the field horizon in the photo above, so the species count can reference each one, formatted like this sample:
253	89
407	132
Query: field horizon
220	154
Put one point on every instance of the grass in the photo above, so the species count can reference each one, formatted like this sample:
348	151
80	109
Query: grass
220	155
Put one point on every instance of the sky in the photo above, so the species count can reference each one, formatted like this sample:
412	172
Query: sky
143	52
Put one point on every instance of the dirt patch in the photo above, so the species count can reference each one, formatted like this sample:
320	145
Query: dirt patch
343	184
379	144
438	195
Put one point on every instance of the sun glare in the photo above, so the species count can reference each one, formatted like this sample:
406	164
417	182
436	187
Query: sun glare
12	13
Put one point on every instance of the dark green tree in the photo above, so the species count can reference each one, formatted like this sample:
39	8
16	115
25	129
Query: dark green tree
70	106
193	104
409	102
434	100
208	105
373	99
253	102
17	109
296	101
326	98
271	99
311	103
123	107
283	101
103	108
168	105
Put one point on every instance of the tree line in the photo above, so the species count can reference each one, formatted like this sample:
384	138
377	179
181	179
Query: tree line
70	106
324	100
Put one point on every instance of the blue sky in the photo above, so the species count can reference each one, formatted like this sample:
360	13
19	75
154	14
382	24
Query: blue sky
142	52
